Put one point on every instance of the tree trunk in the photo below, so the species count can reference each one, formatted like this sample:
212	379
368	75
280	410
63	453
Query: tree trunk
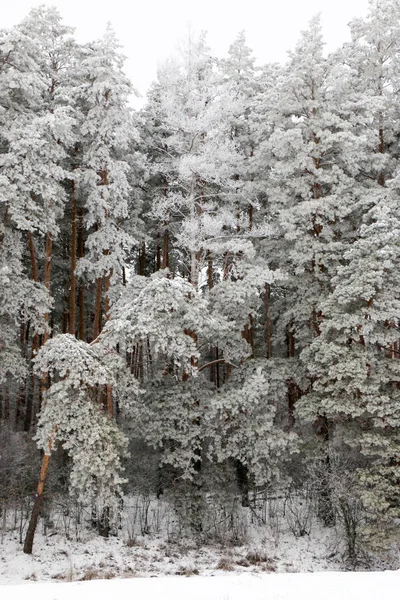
165	263
293	396
47	282
29	401
292	389
47	277
325	507
81	293
72	296
268	322
381	146
242	478
20	405
33	257
97	315
158	253
35	341
30	534
107	284
142	259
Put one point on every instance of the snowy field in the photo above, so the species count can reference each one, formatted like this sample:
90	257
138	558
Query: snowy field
306	586
57	559
84	555
270	563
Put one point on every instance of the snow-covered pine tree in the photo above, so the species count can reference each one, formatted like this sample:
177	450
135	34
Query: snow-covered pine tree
354	362
106	131
43	143
197	194
29	182
313	154
72	415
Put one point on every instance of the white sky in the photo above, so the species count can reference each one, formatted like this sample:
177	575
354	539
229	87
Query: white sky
150	29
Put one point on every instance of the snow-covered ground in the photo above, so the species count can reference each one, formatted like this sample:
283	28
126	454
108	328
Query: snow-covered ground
55	558
66	554
303	586
269	562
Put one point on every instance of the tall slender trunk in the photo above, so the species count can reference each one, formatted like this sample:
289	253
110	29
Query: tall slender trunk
242	479
20	400
196	508
81	293
251	335
322	430
142	259
47	283
65	316
72	296
107	284
33	257
66	287
292	389
268	322
30	396
381	150
165	262
35	342
210	278
97	314
381	131
98	323
20	406
158	253
47	277
213	351
293	396
109	394
35	345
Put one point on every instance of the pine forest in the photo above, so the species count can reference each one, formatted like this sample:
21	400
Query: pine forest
199	299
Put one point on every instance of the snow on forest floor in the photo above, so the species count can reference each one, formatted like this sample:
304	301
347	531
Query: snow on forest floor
83	555
56	558
304	586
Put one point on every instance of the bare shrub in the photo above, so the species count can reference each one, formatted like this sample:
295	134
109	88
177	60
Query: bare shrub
225	564
255	557
299	509
93	573
187	571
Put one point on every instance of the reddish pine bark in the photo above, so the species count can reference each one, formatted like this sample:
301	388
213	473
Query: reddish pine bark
30	534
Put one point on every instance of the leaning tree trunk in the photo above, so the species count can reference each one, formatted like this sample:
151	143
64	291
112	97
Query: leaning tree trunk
30	534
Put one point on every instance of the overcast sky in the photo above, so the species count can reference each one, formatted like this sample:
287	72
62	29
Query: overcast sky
149	29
